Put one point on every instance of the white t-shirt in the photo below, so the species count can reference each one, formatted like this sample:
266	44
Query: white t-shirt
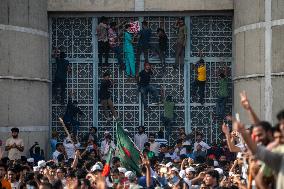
155	147
14	153
55	155
15	185
70	149
140	140
203	144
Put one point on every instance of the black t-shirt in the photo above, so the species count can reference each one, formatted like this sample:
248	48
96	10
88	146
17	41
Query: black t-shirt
145	77
104	89
163	42
61	68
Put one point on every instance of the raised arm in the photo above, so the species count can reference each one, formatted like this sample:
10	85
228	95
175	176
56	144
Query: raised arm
246	105
229	139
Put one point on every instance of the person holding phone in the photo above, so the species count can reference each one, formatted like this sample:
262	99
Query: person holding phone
14	145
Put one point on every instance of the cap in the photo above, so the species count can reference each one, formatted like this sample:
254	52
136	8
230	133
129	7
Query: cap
30	160
96	167
216	164
186	143
169	164
100	164
122	170
220	171
130	175
174	169
106	132
41	163
189	169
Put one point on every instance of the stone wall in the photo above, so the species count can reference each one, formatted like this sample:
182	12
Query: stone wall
24	75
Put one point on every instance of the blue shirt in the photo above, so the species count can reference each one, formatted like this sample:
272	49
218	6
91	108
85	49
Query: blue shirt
145	35
142	182
53	143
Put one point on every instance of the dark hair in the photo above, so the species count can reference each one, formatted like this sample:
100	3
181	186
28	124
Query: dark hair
201	60
280	115
57	184
115	160
152	135
112	24
127	26
214	173
199	134
276	128
15	129
161	30
265	125
145	23
179	141
107	73
58	144
3	165
147	144
103	18
222	75
62	55
94	128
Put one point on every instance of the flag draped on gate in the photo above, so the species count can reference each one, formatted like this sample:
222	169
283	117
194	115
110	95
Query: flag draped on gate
129	155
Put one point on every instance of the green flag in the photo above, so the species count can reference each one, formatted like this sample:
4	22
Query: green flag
128	153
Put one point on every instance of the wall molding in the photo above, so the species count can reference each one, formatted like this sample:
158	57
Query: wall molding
255	76
25	79
24	30
259	25
37	128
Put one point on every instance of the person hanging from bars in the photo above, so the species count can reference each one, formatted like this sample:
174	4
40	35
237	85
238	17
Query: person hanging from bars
70	117
105	96
143	45
223	93
113	36
198	86
60	77
145	87
163	45
168	116
128	50
103	44
180	43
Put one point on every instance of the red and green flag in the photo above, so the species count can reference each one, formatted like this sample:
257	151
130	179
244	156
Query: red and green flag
129	155
106	169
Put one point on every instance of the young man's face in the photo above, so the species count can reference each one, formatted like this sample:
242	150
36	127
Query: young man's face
209	180
198	138
15	134
107	77
261	136
11	176
147	67
152	139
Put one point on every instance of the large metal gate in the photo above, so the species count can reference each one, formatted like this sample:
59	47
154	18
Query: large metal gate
77	37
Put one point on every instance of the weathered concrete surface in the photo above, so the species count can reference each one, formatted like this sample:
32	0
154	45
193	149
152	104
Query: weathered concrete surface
278	96
91	5
181	5
248	12
277	9
129	5
24	103
278	49
249	52
255	91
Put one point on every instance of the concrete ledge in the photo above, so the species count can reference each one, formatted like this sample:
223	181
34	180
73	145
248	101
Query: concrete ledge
129	5
90	5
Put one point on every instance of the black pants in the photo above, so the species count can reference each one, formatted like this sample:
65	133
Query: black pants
198	87
59	83
103	48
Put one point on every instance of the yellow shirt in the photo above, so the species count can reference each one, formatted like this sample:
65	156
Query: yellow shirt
201	73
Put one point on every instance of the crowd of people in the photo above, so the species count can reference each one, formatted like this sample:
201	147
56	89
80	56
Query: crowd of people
248	157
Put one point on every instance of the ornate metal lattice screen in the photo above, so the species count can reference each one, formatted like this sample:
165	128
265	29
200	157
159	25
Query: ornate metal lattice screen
74	37
211	35
126	96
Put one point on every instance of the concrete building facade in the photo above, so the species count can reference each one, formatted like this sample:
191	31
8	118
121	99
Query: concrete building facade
25	45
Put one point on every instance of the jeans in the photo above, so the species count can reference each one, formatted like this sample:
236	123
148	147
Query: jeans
103	48
59	83
198	87
179	54
220	106
145	51
118	52
168	124
148	89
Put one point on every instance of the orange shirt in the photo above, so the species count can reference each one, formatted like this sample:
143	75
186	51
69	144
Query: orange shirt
6	184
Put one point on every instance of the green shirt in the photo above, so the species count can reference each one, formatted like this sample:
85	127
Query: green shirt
169	109
223	88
